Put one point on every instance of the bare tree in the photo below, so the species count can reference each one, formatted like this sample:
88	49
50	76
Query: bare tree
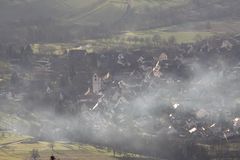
208	25
35	154
156	40
172	40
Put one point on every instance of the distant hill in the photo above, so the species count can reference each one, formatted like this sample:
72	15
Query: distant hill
94	18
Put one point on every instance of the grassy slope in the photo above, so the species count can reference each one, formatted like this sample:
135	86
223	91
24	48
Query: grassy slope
87	12
181	37
4	72
163	3
20	151
8	137
224	26
109	11
12	121
18	147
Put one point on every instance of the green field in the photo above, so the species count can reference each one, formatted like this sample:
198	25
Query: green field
181	37
221	26
144	38
125	40
19	147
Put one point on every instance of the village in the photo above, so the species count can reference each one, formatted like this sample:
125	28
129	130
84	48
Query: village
184	91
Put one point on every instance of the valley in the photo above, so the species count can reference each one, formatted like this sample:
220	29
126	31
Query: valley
119	79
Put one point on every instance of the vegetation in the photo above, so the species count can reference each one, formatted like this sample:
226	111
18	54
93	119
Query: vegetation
18	147
100	19
150	38
9	138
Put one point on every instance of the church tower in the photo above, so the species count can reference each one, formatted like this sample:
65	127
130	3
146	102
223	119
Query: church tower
96	84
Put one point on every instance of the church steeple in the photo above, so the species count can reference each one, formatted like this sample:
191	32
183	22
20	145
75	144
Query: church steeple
96	84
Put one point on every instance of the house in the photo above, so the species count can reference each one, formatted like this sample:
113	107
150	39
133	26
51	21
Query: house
77	52
163	57
237	37
226	45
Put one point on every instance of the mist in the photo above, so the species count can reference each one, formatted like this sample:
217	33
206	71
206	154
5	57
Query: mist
133	113
139	79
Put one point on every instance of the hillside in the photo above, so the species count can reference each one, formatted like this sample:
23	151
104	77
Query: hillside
63	21
76	11
19	147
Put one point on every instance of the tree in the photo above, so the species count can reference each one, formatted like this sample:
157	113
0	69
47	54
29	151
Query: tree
52	145
141	40
10	51
208	25
117	38
28	50
156	40
1	49
198	38
3	134
72	72
14	78
148	41
35	154
172	40
135	39
129	39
